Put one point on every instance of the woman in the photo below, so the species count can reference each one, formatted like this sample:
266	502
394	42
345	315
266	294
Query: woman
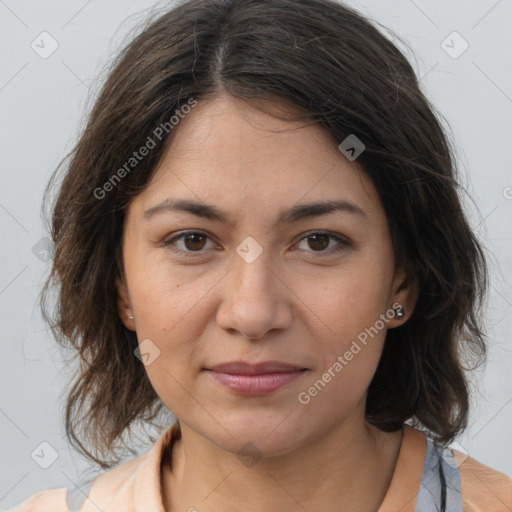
259	230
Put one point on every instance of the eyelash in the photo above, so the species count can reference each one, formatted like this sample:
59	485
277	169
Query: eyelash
344	244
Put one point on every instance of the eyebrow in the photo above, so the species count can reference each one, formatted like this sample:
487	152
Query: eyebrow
293	214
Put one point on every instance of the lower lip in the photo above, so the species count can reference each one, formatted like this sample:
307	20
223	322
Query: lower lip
256	384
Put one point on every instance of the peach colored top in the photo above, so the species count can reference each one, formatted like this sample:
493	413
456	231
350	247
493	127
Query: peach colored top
416	485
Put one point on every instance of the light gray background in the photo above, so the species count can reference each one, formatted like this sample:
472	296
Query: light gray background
42	104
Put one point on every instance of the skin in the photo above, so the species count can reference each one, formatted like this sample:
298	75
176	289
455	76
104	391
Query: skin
297	302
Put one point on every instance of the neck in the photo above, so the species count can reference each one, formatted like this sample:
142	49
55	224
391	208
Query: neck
347	469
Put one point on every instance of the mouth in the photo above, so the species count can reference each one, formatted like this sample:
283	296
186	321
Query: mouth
255	379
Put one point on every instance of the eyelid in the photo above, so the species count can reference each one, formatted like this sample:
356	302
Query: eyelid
343	242
181	235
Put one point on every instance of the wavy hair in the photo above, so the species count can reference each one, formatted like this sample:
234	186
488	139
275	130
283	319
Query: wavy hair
336	68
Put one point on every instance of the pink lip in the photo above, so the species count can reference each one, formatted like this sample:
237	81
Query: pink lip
255	379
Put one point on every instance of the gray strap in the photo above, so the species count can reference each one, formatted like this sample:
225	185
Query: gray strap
76	498
431	484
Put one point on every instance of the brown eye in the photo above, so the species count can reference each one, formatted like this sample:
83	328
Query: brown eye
193	241
318	241
190	242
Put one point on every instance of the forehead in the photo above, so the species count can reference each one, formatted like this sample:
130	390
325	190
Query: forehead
227	151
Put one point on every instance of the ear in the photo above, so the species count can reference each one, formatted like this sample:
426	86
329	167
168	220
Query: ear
123	304
404	291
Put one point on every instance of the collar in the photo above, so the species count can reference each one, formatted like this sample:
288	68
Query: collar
401	494
405	483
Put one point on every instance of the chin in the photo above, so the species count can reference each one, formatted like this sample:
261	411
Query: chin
258	435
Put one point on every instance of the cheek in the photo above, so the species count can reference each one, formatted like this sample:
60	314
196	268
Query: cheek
163	293
348	355
170	321
168	313
334	394
346	314
170	310
349	300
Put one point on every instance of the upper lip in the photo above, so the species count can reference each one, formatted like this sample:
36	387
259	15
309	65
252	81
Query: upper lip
243	368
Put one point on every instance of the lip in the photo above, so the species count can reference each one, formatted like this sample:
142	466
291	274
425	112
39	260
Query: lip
255	379
265	367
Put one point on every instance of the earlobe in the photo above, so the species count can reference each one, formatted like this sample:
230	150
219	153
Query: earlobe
404	298
123	304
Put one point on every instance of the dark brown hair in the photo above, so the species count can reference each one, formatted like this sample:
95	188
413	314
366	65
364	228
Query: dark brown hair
337	69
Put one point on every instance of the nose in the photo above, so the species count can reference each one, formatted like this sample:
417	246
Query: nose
255	299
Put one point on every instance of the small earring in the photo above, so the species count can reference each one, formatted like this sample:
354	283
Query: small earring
399	312
130	317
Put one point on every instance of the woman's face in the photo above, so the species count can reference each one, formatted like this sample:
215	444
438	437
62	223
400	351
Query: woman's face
263	283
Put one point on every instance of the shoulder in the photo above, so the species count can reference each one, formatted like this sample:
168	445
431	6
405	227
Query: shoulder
483	488
131	486
50	500
113	483
446	474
